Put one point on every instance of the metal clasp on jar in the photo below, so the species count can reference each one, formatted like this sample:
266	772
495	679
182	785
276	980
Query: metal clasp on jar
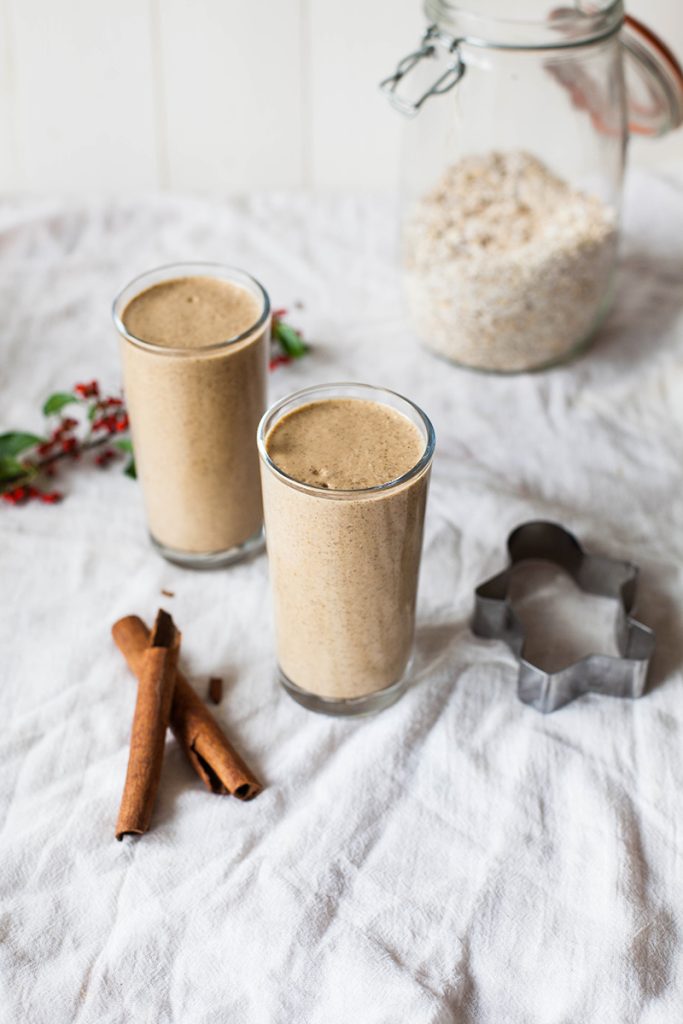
432	39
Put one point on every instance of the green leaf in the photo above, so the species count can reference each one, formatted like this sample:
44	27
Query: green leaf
11	469
290	340
57	401
124	445
130	470
92	412
17	441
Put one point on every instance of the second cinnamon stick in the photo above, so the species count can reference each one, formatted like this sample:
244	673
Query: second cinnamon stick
156	681
218	765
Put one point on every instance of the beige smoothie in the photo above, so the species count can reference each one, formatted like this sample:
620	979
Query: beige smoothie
344	554
195	398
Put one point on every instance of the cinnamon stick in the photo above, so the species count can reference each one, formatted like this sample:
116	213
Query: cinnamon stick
156	681
220	768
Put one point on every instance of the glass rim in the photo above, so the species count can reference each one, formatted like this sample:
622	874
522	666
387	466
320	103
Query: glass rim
210	269
331	492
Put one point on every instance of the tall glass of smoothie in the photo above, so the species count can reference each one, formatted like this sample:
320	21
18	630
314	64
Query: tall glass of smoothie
344	472
194	345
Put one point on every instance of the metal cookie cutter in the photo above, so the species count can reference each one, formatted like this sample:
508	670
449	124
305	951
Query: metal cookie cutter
494	618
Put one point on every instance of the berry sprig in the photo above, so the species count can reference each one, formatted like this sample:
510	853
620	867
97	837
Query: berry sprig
288	343
28	460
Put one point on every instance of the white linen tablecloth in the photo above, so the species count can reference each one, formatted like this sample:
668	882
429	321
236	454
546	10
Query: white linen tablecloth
458	857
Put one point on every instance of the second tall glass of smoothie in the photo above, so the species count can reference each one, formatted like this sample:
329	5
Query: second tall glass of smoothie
194	344
345	469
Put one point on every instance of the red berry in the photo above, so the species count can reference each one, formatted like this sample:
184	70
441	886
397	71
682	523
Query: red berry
65	427
50	497
105	457
279	360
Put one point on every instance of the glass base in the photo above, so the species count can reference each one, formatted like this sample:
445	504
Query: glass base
352	707
212	559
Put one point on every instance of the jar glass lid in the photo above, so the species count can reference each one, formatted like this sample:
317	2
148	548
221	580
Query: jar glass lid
654	78
526	24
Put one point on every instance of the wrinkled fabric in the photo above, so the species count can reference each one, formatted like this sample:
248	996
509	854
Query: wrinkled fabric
458	857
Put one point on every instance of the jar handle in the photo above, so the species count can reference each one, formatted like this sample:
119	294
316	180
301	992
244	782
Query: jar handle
654	81
454	71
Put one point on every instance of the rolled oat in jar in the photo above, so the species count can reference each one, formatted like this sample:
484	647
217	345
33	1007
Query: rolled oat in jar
507	267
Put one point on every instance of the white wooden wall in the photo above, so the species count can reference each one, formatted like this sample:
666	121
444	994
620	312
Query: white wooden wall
121	95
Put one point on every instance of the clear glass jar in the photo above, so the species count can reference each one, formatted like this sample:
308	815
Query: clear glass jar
513	162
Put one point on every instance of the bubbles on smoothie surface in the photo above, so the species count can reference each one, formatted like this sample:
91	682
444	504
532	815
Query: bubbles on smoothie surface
191	312
345	444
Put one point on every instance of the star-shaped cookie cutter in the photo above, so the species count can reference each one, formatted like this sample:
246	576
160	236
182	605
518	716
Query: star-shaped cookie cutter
494	618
